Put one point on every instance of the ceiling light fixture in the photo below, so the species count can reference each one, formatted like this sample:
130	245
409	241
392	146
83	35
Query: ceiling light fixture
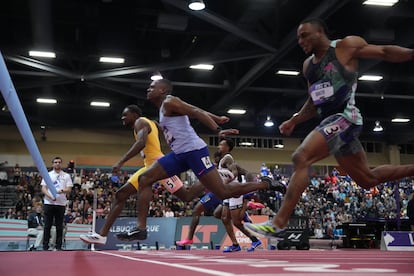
246	144
46	100
101	104
111	60
400	120
387	3
202	67
370	78
236	111
269	123
156	76
378	127
279	144
42	54
287	72
196	5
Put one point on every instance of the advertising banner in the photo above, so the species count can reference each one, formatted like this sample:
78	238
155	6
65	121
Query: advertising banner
211	230
397	241
161	232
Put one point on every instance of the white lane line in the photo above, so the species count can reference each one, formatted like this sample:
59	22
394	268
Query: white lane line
192	268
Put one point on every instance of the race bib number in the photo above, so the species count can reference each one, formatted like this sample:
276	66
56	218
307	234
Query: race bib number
207	162
172	184
319	92
331	129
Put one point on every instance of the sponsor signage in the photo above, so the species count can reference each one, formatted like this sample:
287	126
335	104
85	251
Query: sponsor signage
161	232
397	241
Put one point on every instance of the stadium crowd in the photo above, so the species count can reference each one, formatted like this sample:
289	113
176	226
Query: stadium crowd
328	201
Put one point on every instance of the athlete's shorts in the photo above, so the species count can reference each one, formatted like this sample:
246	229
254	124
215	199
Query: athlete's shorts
171	184
210	201
341	135
234	202
197	160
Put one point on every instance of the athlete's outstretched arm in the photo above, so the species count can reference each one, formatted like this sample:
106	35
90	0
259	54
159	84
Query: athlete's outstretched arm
175	106
142	129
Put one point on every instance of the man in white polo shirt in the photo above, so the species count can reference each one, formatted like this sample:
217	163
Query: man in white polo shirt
54	208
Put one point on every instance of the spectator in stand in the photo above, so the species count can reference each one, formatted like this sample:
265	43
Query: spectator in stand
17	172
264	170
168	213
410	211
35	226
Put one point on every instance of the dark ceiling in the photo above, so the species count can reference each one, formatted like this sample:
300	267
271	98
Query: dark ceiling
246	40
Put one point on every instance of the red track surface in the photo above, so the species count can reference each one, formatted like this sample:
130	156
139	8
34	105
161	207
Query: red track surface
208	262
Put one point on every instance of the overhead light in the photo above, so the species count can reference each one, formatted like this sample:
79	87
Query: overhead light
102	104
202	66
287	72
247	144
279	144
387	3
378	127
196	5
268	122
42	54
46	100
236	111
156	76
400	120
370	78
111	60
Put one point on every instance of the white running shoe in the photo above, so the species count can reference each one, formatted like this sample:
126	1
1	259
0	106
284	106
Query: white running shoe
94	238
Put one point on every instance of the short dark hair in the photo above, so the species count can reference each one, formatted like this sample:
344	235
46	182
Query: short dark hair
318	22
135	109
57	157
167	83
229	142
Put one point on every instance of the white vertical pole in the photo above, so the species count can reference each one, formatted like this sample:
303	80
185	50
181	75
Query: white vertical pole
95	200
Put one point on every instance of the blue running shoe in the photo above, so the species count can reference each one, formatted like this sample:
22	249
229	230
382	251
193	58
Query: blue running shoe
232	248
266	229
254	245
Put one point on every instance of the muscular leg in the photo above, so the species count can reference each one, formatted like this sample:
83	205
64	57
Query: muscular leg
312	149
214	183
188	194
226	219
237	217
356	166
151	175
198	210
217	212
120	198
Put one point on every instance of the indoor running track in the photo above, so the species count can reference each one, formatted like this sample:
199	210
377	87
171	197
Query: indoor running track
208	262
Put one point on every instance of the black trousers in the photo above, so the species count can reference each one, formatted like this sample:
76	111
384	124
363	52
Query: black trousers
54	215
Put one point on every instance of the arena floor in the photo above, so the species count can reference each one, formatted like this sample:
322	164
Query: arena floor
209	262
